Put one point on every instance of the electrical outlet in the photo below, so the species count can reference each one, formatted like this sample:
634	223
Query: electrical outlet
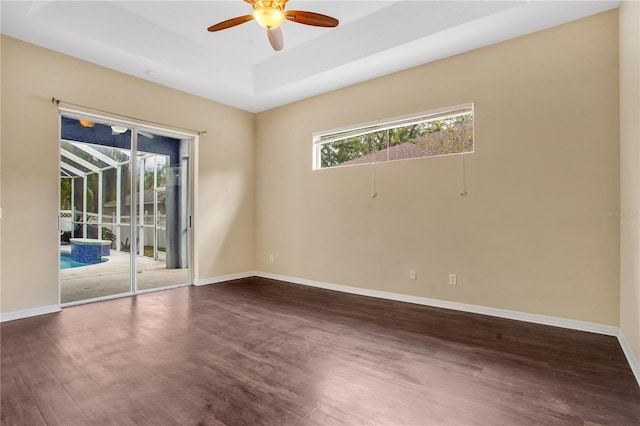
453	279
412	274
271	258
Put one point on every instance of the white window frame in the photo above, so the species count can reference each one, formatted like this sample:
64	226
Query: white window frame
385	124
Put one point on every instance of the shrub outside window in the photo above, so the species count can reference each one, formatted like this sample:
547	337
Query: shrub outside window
433	133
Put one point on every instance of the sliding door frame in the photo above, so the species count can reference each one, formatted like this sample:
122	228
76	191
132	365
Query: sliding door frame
192	139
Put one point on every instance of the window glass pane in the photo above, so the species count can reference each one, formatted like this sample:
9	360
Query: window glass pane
149	191
109	189
125	238
125	194
92	195
161	162
78	218
108	232
140	188
149	168
354	150
399	140
78	198
65	193
92	230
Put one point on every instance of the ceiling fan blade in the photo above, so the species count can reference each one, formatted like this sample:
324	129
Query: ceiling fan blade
230	23
310	18
275	38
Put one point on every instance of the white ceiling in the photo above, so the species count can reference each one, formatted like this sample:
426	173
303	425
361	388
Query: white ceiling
167	42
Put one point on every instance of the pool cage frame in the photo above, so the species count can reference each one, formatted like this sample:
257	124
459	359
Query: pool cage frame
92	224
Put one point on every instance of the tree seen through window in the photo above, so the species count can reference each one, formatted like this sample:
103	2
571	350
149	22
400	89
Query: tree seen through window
447	135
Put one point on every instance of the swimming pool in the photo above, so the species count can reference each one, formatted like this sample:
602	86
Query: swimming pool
66	262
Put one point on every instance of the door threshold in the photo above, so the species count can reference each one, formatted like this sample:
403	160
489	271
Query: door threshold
121	295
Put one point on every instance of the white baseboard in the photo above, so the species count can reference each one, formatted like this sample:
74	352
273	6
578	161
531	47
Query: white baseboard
483	310
11	316
477	309
608	330
631	358
223	278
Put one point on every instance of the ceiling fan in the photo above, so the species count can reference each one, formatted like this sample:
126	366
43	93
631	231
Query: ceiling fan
270	14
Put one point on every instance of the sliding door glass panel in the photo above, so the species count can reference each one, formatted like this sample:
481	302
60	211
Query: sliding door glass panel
162	211
95	162
124	210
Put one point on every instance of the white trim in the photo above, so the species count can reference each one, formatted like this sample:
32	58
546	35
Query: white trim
16	315
631	359
223	278
372	126
73	213
156	289
192	210
84	163
608	330
93	152
72	169
97	299
121	295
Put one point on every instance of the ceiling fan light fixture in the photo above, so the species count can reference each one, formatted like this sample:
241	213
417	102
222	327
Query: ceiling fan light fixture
269	17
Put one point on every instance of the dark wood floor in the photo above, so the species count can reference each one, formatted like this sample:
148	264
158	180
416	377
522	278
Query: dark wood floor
258	351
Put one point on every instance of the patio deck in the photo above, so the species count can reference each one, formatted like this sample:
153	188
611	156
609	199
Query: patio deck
113	277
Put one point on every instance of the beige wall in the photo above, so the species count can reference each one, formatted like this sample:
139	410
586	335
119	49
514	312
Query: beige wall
29	170
630	173
531	235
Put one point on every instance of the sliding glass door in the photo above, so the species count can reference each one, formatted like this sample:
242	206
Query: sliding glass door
162	212
124	209
95	181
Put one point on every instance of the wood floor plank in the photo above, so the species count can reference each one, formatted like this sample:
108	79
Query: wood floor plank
56	406
258	351
17	405
20	413
95	402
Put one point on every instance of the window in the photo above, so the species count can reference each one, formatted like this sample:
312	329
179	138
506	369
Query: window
439	132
